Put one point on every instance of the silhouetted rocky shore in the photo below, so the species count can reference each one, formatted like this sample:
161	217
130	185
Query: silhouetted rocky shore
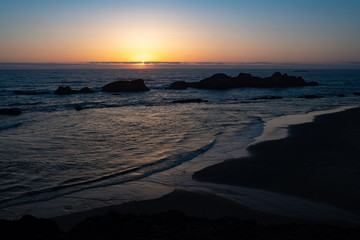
137	85
170	225
222	81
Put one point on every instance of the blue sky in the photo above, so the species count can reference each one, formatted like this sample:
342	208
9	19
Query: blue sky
219	31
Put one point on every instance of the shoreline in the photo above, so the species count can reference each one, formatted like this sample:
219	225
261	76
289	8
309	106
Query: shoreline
305	164
278	128
180	199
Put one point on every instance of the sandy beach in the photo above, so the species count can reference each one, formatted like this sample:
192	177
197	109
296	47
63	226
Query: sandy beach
196	204
319	161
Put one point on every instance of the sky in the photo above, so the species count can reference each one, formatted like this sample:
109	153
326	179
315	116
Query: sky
180	32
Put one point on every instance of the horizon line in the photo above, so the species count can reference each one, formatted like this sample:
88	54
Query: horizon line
177	64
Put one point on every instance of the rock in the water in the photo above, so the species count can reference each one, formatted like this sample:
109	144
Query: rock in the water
357	93
341	95
216	81
86	90
196	100
78	108
222	81
65	90
10	111
126	86
180	85
19	92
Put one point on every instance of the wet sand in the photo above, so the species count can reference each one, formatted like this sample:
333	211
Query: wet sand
195	204
319	161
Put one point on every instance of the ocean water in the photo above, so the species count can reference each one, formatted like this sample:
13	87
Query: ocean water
133	146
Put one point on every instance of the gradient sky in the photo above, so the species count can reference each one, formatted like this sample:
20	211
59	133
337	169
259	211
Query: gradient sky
68	31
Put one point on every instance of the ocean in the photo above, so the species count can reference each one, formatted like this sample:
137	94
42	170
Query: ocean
124	147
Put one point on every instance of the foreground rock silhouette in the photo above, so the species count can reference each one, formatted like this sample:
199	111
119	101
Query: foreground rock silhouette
137	85
170	225
29	227
222	81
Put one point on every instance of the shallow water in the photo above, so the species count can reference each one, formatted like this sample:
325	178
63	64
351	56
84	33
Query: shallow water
133	146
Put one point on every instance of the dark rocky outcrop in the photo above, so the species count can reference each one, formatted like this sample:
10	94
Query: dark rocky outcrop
19	92
357	93
222	81
216	81
170	225
341	95
10	111
65	90
29	227
180	85
126	86
176	225
78	108
196	100
86	90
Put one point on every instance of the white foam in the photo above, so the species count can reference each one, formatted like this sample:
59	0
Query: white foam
278	128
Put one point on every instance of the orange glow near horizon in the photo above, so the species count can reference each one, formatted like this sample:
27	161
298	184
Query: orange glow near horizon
123	32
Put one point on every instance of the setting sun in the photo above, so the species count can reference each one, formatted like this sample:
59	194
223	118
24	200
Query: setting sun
234	33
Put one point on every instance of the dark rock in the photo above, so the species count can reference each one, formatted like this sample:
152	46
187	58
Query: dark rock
216	81
222	81
170	225
357	93
341	95
310	96
65	90
126	86
10	111
266	98
86	90
180	85
196	100
78	108
19	92
29	227
176	225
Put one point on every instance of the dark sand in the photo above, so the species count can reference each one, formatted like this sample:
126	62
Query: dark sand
196	204
319	161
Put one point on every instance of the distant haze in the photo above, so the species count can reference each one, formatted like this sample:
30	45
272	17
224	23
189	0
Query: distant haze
139	33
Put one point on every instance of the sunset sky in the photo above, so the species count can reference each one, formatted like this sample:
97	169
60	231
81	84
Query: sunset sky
271	31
